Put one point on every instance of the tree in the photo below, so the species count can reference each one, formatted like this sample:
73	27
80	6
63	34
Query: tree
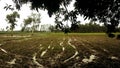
107	11
11	19
90	27
26	22
34	20
51	5
66	15
51	28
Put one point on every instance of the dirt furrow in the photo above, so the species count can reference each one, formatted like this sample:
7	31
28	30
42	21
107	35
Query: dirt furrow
36	62
13	61
76	52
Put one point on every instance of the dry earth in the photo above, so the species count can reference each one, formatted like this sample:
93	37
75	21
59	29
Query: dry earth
59	51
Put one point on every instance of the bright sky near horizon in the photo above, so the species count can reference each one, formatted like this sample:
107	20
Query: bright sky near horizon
24	12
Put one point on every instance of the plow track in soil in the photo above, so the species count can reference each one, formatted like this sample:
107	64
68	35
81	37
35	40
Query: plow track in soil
75	49
83	50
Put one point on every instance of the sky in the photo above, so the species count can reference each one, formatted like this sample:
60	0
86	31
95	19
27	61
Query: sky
24	13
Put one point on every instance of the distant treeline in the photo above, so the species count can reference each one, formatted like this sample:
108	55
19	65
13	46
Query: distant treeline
88	27
83	28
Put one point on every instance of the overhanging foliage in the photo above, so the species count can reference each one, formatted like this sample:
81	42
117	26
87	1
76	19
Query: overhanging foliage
107	11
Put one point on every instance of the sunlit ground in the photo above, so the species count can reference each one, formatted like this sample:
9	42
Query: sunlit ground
59	50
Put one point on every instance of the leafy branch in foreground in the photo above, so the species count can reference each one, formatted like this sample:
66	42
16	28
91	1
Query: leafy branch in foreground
106	11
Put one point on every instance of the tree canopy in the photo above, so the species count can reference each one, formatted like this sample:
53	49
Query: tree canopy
11	19
34	20
51	5
107	11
